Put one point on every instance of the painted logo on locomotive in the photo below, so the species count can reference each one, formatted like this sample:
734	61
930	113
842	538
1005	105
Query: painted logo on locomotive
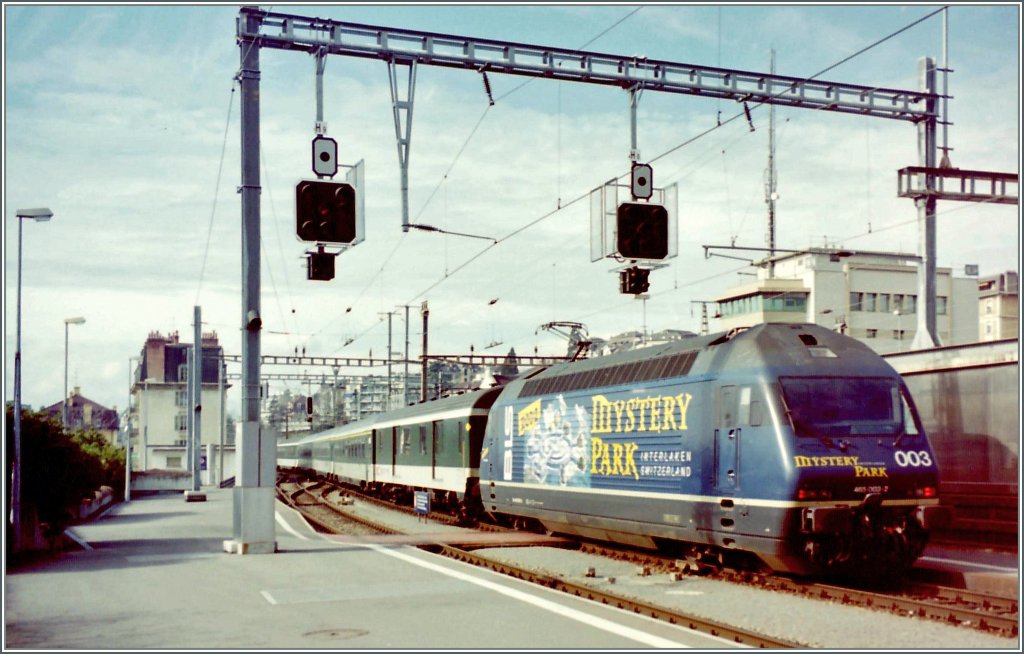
561	445
655	413
859	469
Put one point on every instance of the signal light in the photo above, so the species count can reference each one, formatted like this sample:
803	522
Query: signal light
634	280
320	265
309	407
641	230
325	212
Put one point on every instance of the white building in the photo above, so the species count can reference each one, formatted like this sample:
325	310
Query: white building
998	309
160	411
871	296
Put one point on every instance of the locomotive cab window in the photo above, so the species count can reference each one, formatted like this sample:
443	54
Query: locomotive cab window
843	406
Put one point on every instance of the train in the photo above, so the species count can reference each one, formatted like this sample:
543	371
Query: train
783	447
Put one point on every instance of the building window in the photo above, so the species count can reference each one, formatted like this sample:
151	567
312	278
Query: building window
988	307
883	302
909	303
181	422
940	305
183	373
872	333
869	302
898	334
855	301
897	303
181	398
174	462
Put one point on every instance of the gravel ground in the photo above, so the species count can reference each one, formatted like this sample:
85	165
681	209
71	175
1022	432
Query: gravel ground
814	623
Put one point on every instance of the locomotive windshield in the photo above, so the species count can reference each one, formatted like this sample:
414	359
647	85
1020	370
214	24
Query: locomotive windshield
840	406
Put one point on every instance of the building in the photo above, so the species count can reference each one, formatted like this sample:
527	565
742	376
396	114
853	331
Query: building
871	296
998	311
160	409
83	414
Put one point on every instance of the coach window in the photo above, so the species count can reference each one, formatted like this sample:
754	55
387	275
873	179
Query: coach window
461	429
423	439
406	442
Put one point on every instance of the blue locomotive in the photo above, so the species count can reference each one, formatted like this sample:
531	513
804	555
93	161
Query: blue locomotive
788	445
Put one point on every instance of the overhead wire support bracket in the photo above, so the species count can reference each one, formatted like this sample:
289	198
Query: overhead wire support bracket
321	61
402	108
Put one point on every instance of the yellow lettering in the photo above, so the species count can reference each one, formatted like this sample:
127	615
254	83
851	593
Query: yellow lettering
619	406
667	403
683	400
630	418
655	414
641	405
616	459
602	414
802	461
630	465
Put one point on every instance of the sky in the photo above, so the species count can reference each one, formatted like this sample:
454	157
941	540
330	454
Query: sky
124	121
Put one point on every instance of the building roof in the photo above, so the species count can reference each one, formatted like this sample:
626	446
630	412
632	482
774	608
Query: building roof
85	413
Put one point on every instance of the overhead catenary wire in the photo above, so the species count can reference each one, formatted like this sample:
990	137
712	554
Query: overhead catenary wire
216	193
684	143
744	113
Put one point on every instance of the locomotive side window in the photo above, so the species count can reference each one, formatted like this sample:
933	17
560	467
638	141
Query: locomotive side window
839	406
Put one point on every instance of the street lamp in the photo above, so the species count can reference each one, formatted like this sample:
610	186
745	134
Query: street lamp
67	321
38	215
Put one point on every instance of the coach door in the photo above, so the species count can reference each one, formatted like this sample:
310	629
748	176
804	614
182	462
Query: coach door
727	436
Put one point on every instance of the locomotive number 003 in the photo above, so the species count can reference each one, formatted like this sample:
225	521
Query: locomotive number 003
913	459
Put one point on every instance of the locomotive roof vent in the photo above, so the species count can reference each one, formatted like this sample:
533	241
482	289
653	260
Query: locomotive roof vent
816	350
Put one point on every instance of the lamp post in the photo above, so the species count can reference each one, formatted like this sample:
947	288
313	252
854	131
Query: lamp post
38	215
67	321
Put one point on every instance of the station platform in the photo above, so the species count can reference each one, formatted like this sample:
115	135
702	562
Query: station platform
153	574
985	571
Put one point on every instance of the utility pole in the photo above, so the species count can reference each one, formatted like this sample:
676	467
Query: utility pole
405	372
425	312
704	330
196	378
770	187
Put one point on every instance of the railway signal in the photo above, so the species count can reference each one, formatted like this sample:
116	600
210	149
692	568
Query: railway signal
641	181
320	265
325	156
641	230
634	280
325	212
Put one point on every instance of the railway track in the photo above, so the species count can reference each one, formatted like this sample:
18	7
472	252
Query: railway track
988	613
738	635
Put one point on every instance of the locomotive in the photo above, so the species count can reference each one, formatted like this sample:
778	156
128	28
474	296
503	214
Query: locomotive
789	447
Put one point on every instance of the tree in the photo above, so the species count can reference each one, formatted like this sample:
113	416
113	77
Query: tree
59	470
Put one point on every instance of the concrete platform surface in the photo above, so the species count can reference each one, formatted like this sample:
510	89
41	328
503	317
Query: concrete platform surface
153	575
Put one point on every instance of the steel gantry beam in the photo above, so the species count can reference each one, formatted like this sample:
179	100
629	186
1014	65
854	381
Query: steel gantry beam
290	32
357	362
